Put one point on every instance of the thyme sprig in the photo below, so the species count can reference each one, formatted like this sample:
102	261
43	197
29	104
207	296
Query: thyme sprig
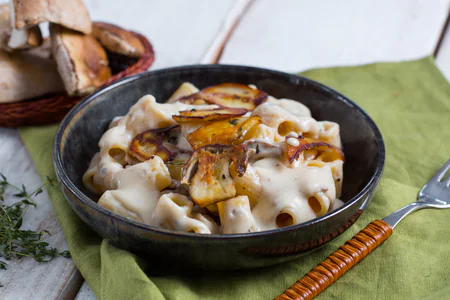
18	243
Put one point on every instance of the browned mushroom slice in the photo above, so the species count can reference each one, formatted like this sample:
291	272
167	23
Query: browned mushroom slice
228	95
325	151
82	61
5	23
68	13
17	87
258	150
225	132
208	115
196	101
185	89
117	40
245	129
175	166
176	187
150	143
208	176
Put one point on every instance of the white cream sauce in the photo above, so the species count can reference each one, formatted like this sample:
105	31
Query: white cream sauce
174	211
146	114
273	115
137	190
237	216
275	188
294	107
287	190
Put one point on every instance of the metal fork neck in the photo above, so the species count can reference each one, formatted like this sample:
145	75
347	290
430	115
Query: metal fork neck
394	218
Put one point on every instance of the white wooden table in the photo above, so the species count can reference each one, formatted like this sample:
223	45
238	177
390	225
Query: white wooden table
288	35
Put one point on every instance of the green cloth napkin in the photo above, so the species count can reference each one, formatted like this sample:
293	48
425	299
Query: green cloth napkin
410	102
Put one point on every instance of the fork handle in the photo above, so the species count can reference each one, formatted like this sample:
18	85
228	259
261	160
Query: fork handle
335	265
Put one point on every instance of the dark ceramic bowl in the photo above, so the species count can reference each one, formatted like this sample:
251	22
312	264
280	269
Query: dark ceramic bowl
77	138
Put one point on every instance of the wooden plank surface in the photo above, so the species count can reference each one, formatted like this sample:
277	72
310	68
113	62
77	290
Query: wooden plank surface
294	35
286	35
181	32
443	53
86	293
26	278
230	23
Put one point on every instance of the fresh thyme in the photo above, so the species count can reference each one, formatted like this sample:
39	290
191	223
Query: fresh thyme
18	243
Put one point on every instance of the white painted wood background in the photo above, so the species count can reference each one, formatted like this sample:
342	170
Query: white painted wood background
288	35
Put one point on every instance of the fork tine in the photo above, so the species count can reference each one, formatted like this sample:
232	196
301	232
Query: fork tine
447	182
440	174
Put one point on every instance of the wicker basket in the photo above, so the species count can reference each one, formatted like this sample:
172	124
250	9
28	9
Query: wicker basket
52	108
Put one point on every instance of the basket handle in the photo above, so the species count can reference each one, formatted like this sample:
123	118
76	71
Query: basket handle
335	265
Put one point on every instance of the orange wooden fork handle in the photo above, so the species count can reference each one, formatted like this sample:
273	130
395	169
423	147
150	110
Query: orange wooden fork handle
335	265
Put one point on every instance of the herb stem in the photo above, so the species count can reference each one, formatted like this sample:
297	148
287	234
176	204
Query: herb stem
15	187
18	243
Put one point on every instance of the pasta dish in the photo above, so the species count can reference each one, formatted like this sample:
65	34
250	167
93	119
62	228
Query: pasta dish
225	159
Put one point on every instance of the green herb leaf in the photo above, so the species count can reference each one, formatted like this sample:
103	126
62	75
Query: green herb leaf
38	191
18	243
49	180
21	194
3	178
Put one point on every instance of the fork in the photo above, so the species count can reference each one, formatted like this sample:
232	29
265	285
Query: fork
434	194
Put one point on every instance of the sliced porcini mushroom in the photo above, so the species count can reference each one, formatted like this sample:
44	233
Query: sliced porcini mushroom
160	142
117	40
208	115
176	187
151	143
185	89
21	75
258	150
82	62
12	38
24	38
226	132
193	101
68	13
175	166
208	176
228	95
5	24
320	150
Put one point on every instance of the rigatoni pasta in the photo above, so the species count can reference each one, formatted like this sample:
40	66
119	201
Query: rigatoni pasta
225	159
236	215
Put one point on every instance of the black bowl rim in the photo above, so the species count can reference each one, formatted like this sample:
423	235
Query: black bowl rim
64	179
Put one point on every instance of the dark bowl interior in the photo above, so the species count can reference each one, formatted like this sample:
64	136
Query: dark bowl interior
77	141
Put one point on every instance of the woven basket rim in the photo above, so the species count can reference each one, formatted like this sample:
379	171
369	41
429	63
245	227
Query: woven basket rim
49	109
